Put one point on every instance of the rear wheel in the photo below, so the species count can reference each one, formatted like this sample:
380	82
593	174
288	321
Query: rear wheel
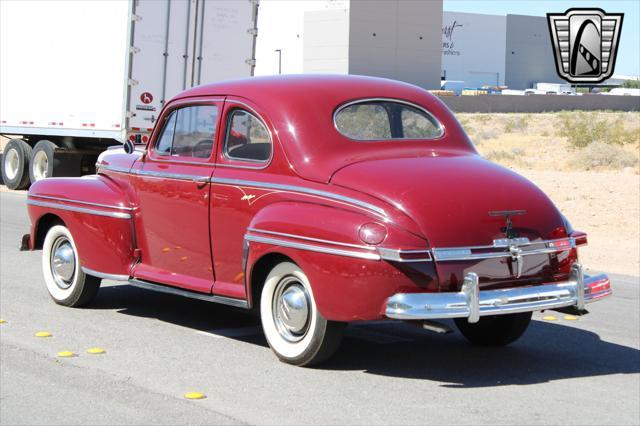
498	330
67	284
42	159
295	330
15	164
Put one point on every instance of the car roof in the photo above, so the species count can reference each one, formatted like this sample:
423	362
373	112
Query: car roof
301	107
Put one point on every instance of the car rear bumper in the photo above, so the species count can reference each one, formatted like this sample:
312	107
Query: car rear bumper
472	303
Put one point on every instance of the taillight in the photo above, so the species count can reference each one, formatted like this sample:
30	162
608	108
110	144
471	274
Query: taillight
580	238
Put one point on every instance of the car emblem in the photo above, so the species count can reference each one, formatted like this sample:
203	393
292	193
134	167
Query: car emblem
585	42
508	230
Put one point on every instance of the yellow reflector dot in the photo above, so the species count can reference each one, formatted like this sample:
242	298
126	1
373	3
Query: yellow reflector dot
549	318
43	334
570	317
166	249
2	321
95	351
194	395
66	354
183	258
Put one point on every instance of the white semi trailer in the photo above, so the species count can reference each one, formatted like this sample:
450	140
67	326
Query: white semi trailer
77	77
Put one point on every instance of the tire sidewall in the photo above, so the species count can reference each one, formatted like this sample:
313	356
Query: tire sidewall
23	162
62	296
306	348
48	148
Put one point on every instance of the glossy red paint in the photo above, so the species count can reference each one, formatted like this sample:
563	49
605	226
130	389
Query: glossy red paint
201	223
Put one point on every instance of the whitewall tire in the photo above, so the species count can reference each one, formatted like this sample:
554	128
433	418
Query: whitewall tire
66	283
295	330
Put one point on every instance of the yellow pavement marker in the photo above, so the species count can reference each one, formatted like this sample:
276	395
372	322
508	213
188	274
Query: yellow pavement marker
570	318
549	318
2	321
43	334
95	351
66	354
194	395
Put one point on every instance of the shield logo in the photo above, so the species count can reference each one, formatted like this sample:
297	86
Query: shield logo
585	42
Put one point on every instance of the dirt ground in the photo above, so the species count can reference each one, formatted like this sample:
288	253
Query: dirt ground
597	187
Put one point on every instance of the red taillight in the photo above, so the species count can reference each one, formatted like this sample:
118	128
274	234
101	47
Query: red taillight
580	238
145	138
372	233
132	138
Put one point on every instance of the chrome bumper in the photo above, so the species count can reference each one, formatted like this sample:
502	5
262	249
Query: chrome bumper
472	303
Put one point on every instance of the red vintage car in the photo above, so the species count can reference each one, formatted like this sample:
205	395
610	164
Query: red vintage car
317	201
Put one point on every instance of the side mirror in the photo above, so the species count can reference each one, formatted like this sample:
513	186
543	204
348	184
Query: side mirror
129	147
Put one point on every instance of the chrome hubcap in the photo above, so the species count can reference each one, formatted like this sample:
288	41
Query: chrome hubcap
291	309
63	263
11	163
40	165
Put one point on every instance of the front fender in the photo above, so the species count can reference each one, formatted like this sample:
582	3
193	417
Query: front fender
348	278
98	215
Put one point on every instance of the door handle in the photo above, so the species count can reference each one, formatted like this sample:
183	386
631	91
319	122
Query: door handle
201	182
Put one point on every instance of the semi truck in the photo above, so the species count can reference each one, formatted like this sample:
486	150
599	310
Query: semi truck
78	77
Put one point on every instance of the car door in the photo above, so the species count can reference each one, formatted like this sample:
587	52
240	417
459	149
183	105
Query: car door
244	154
173	190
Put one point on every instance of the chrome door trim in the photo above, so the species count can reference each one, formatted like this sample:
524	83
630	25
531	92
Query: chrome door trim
117	215
317	240
116	169
311	247
299	189
114	277
161	288
67	200
165	175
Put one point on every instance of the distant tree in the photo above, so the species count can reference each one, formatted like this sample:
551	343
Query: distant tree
631	84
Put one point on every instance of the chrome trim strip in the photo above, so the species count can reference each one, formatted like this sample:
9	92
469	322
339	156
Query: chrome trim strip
117	215
114	277
440	127
147	285
310	247
176	176
80	202
473	304
395	255
113	168
531	243
299	189
440	254
317	240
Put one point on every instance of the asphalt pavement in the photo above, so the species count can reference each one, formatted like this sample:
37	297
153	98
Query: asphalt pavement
159	347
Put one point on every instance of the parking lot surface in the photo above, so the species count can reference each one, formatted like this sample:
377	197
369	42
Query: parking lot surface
159	347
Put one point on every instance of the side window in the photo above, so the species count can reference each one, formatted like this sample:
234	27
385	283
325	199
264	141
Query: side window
163	147
247	138
189	132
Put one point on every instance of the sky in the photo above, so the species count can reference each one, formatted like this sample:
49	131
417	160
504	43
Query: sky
628	60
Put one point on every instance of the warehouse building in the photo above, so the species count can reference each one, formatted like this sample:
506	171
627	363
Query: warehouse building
412	41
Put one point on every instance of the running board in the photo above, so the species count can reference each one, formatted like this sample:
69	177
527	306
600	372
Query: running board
238	303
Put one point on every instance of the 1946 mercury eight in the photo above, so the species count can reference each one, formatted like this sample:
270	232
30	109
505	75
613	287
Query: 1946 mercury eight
317	200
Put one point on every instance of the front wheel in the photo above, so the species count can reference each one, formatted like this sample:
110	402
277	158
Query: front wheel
498	330
295	330
67	284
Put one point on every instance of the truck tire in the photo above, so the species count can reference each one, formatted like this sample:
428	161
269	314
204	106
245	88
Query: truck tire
293	326
15	164
42	161
498	330
67	284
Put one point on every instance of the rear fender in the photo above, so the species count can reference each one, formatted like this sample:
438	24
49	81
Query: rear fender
348	278
98	215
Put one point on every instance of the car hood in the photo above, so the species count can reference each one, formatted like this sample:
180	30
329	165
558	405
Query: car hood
450	197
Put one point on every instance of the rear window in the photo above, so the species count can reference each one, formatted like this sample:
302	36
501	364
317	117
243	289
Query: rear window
376	120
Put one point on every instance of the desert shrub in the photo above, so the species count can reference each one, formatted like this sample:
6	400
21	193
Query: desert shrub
600	155
499	155
517	124
581	129
490	133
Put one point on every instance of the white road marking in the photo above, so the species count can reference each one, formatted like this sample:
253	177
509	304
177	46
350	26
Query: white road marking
230	333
